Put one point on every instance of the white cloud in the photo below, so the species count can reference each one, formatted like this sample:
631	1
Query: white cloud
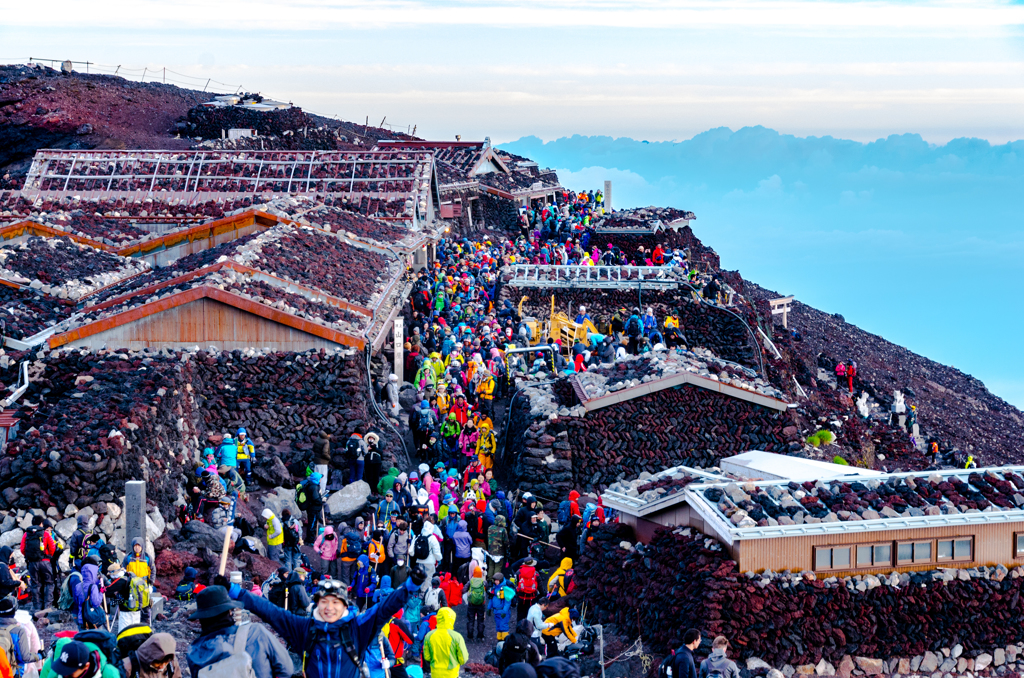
329	14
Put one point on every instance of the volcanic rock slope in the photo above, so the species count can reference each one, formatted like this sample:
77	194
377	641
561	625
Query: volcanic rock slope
42	108
954	407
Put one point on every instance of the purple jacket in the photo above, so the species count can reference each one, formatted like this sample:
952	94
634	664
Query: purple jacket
463	541
89	586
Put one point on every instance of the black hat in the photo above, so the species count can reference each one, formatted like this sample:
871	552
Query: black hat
213	601
73	656
8	606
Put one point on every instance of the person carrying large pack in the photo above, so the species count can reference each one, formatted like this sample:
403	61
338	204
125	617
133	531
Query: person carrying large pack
225	649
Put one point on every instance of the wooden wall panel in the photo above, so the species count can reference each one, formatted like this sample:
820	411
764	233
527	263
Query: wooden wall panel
993	544
205	322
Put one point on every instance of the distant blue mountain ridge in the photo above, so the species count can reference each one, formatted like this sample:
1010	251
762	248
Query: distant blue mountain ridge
917	242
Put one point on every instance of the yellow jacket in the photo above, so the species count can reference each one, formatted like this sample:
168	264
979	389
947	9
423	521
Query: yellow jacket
445	648
246	450
486	388
275	532
558	577
443	403
485	448
560	623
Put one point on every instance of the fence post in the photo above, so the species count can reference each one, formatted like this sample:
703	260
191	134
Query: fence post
144	69
207	84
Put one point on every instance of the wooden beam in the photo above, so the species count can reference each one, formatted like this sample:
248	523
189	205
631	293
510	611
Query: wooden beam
195	294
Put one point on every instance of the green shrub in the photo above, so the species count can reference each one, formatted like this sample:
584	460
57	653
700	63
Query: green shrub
839	460
826	437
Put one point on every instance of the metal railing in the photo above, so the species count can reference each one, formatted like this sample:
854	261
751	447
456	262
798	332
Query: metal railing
531	275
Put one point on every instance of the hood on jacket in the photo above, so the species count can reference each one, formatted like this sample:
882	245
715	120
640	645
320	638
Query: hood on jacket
90	574
446	619
403	478
5	554
500	521
385	582
574	495
463	526
525	627
157	647
138	541
328	530
365	560
501	494
83	521
566	564
435	487
557	667
519	670
422	495
189	575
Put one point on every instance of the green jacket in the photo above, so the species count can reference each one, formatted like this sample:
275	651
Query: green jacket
106	670
387	482
444	648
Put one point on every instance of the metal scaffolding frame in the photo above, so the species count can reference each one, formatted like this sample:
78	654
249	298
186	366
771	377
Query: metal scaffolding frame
406	176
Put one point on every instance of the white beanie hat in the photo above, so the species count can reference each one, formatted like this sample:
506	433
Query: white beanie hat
267	513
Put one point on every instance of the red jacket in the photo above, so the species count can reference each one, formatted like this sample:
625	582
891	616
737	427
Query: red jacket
574	503
49	546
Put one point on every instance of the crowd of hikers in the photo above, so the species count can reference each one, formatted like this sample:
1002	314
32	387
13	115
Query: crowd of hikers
377	595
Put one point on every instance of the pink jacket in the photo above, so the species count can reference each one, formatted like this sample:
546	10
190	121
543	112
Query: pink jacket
327	549
435	495
467	443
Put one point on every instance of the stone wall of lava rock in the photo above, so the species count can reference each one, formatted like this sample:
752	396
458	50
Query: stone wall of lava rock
303	132
684	579
712	328
104	418
285	398
679	426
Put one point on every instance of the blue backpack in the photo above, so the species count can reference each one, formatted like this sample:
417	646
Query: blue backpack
564	512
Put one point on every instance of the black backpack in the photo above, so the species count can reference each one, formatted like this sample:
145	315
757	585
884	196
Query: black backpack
104	640
291	535
276	593
421	548
667	662
34	544
633	327
518	646
352	448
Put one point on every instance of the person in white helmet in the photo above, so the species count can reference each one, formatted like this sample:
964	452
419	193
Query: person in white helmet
583	316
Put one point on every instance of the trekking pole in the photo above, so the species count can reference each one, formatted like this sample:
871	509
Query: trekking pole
106	614
224	550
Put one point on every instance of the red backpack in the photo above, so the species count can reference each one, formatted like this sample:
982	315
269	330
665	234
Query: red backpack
452	590
527	580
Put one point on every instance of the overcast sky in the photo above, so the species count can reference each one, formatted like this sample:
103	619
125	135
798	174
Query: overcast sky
649	69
